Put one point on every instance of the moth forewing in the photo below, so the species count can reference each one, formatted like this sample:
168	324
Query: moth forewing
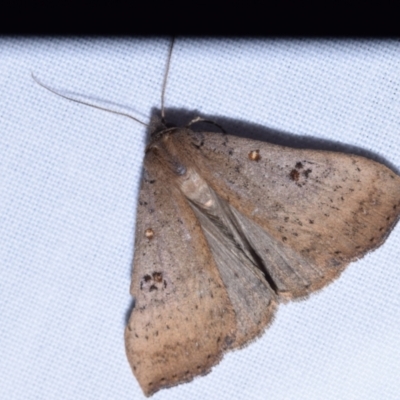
305	213
183	319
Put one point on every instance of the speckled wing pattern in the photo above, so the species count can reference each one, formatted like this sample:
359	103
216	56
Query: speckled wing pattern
229	227
182	320
306	213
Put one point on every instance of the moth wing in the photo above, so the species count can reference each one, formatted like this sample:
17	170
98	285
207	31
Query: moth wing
252	298
182	320
306	213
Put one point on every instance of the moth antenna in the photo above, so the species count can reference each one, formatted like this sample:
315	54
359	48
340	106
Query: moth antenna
85	103
165	80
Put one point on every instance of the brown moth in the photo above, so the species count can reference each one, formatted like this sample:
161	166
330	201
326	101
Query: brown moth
227	228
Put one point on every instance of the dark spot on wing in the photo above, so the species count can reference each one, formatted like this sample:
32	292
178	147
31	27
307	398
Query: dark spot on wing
307	172
157	276
294	175
153	282
299	165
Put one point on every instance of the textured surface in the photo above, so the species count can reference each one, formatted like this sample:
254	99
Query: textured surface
69	181
227	227
183	319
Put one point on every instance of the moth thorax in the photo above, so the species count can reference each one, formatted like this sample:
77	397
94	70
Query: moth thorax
196	189
168	154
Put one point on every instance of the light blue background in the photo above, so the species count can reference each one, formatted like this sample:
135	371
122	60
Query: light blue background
69	177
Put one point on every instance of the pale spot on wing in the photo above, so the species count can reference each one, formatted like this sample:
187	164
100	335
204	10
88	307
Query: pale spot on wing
254	155
149	233
209	204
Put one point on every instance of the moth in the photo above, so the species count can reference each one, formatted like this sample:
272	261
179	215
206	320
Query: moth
227	228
